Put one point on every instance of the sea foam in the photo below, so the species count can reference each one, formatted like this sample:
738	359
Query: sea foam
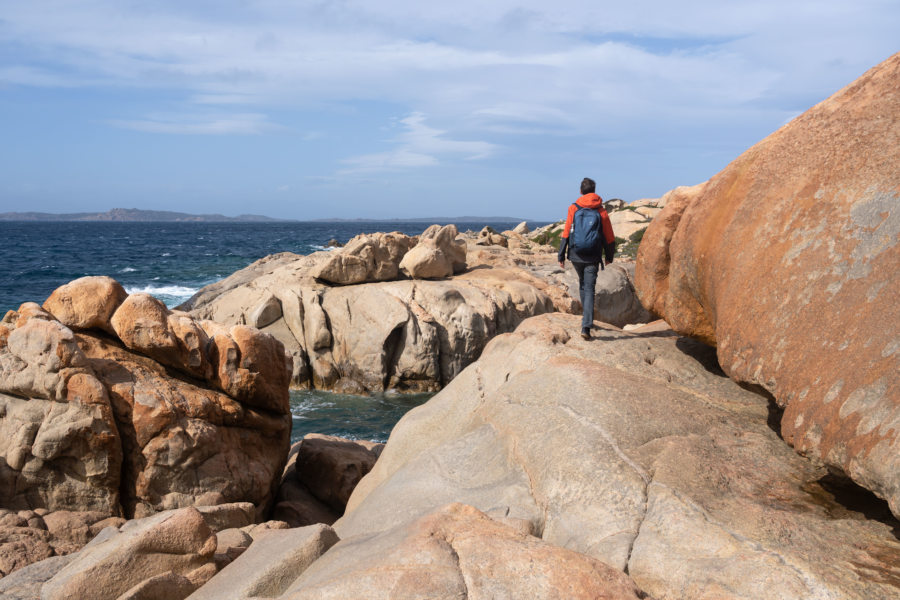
171	295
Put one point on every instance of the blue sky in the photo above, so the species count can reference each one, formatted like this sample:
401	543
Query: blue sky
383	109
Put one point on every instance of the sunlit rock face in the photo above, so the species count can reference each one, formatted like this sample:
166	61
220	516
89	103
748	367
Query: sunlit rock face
787	262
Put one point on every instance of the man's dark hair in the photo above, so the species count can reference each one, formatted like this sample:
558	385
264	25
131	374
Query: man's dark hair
588	186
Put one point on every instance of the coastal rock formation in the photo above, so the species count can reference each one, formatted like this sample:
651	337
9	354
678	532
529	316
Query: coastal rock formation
458	552
438	254
407	335
489	237
787	261
365	258
271	563
168	555
86	303
320	475
632	449
615	300
411	335
331	467
138	410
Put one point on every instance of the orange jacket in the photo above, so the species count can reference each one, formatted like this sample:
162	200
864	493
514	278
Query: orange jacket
609	237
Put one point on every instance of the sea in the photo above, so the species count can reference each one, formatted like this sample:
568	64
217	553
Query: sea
173	260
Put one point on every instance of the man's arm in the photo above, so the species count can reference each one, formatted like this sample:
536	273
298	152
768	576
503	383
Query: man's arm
564	236
561	255
609	237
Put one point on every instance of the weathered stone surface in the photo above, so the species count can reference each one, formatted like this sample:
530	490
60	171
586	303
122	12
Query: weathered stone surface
633	449
21	546
522	228
437	255
787	261
489	237
71	530
404	335
91	431
59	446
458	552
234	452
169	585
615	301
26	583
231	543
228	516
295	504
330	467
86	303
266	313
176	542
266	569
367	257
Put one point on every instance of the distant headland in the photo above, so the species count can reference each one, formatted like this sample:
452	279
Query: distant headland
134	215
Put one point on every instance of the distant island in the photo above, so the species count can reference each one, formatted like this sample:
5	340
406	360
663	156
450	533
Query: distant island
135	215
444	220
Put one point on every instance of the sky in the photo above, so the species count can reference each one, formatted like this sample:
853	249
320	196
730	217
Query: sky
393	108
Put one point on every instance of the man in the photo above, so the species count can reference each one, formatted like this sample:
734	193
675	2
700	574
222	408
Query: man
593	238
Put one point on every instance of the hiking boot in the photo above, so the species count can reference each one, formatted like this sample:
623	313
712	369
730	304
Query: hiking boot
585	333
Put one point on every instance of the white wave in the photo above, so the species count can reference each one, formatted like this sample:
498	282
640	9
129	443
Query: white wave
171	295
166	254
128	270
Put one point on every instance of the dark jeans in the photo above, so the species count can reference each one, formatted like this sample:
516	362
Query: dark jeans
587	282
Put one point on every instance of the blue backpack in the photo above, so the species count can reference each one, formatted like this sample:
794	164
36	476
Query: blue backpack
587	233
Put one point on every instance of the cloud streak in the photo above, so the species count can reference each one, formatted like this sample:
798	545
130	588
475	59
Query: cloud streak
417	146
234	124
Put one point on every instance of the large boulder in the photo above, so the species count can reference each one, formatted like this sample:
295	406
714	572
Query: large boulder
458	552
489	237
787	262
367	257
86	303
438	254
633	449
274	560
615	300
59	442
170	554
330	467
96	427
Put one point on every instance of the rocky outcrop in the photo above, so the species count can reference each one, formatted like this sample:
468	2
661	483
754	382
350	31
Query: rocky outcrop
320	475
272	563
137	410
489	237
405	335
438	254
87	303
365	258
787	262
458	552
408	335
330	467
615	300
168	555
632	449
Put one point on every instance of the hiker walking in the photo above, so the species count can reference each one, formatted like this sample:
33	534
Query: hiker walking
587	236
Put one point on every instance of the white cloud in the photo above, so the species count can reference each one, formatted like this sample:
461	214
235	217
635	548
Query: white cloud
242	124
482	69
417	146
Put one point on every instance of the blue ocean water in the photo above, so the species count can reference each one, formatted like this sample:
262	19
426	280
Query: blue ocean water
169	260
174	260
